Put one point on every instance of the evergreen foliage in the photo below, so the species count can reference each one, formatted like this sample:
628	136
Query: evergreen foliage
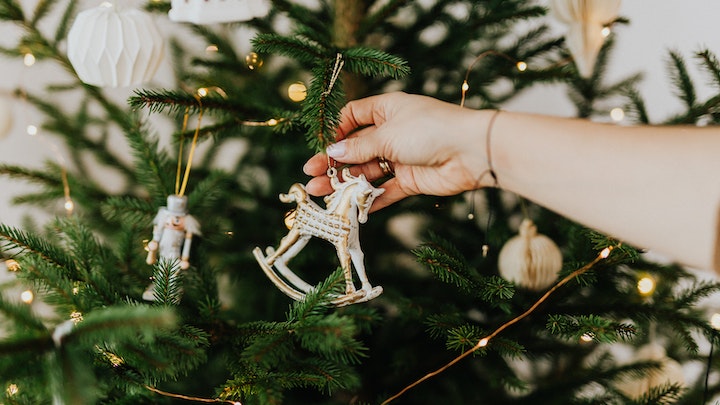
221	331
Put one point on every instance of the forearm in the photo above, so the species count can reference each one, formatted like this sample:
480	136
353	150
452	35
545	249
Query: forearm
654	187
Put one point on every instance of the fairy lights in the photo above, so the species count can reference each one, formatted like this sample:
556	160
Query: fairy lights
715	321
27	297
617	114
12	265
604	254
31	130
297	92
521	66
28	59
646	285
605	31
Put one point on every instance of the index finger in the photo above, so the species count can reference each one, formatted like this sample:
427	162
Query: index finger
359	113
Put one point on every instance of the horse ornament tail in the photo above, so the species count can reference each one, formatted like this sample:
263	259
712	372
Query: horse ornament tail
338	223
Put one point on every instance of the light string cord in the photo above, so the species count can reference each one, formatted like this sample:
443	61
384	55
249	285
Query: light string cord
706	390
485	340
190	398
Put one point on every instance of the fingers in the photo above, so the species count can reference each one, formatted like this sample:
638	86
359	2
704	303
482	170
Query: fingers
358	113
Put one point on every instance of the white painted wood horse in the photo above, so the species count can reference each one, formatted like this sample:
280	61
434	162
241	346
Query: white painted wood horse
347	206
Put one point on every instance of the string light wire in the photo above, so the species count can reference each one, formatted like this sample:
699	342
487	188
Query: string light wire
485	340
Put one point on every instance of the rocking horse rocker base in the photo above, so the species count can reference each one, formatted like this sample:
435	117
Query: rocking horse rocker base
297	293
338	224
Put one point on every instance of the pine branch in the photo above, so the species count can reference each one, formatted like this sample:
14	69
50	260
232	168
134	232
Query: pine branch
128	210
63	26
681	79
711	65
152	167
21	314
374	20
11	11
373	62
24	243
168	282
321	107
297	48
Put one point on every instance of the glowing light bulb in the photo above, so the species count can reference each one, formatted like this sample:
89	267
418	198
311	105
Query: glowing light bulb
617	114
12	389
715	321
211	48
32	130
12	265
229	234
605	252
202	92
297	92
27	296
465	86
471	216
483	342
28	59
69	206
586	338
77	317
646	285
271	122
521	66
605	31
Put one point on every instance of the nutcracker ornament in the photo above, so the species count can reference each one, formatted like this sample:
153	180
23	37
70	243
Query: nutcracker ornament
347	206
173	230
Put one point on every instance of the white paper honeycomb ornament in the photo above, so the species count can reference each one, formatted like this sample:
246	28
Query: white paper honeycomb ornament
109	47
217	11
530	260
670	372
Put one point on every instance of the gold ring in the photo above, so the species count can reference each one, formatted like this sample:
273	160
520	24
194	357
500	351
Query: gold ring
386	166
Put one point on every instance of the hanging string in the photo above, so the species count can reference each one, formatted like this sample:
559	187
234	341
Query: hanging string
180	150
337	68
180	188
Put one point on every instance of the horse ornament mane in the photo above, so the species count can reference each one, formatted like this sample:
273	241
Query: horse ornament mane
338	223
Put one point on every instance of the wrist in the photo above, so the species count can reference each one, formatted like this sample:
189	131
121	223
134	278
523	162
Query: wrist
479	149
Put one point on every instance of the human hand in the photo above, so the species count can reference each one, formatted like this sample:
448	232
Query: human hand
436	148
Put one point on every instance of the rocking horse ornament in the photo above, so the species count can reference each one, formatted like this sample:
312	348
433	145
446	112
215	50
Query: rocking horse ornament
347	207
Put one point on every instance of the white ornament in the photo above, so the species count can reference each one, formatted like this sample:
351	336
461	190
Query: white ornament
173	231
108	47
338	224
6	120
217	11
670	372
586	20
530	260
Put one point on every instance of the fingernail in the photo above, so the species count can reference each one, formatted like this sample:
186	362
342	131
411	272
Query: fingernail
336	150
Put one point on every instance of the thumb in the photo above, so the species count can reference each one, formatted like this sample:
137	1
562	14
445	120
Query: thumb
353	150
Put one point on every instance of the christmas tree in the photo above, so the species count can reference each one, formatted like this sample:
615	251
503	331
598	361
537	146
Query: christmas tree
204	324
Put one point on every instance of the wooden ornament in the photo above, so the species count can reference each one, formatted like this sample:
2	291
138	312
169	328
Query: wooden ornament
530	260
339	223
